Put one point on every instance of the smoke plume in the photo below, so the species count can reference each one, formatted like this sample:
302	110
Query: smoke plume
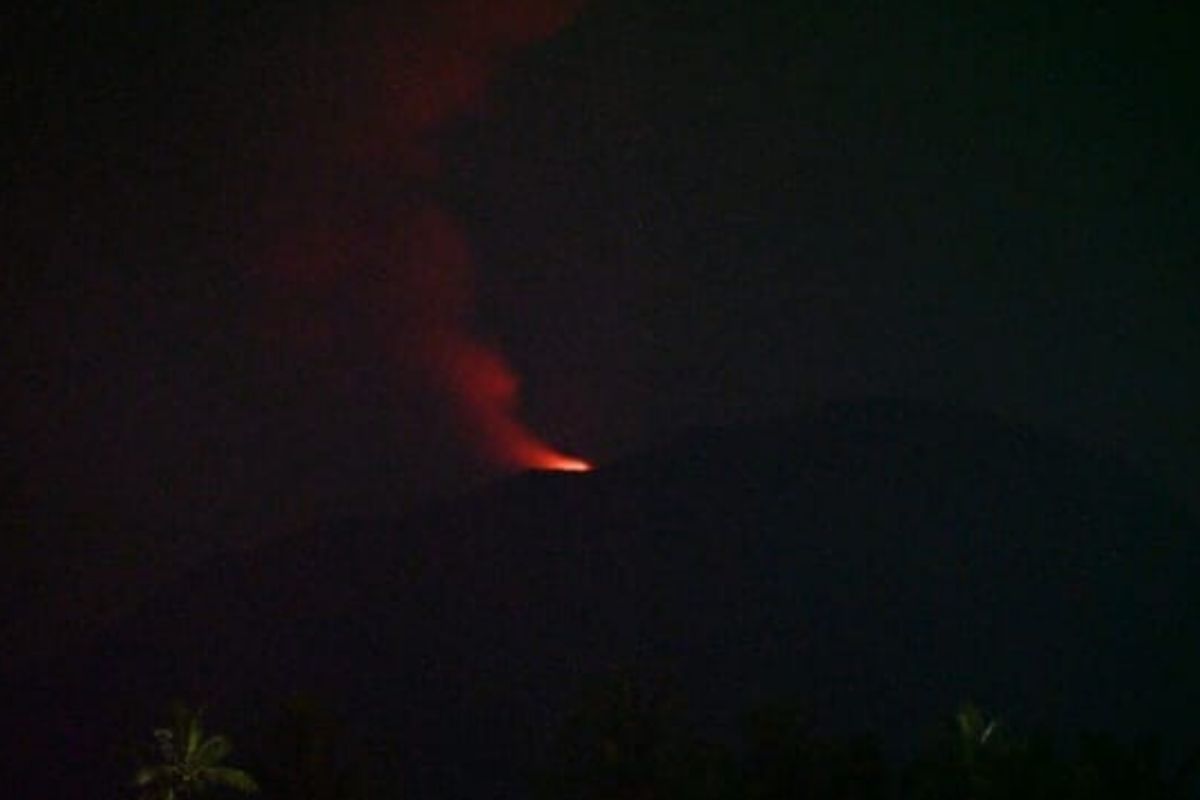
365	253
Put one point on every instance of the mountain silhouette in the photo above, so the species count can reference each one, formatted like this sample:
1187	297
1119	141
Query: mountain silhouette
884	560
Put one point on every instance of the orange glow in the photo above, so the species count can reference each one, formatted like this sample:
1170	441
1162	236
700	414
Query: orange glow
401	263
562	463
512	444
486	391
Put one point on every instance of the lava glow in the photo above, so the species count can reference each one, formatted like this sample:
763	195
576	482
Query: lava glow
568	464
486	392
542	457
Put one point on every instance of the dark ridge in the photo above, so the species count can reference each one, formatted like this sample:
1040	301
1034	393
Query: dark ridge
883	560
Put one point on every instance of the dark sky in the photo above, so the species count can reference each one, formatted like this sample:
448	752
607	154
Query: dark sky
268	263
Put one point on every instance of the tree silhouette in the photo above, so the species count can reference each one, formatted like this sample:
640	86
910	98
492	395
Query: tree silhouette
627	739
308	756
189	762
976	758
785	759
966	762
1108	768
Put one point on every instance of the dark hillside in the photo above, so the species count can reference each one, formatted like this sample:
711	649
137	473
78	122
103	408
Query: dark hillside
880	559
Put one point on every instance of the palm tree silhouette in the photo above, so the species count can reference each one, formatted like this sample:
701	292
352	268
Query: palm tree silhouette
189	762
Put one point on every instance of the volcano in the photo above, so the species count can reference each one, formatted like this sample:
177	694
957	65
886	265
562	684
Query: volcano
884	560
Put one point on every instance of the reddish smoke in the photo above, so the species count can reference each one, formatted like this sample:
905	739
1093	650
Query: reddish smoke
383	262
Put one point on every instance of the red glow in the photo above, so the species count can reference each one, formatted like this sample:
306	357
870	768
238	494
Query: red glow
394	276
486	391
567	464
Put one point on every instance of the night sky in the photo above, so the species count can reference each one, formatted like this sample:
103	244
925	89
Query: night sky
271	263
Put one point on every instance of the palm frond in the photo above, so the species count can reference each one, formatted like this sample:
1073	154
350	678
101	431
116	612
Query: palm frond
194	735
231	778
212	751
150	775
